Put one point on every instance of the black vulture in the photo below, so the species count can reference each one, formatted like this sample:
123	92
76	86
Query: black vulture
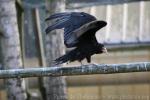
79	32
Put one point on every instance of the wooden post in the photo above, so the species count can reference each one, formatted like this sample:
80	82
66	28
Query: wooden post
42	52
10	47
55	86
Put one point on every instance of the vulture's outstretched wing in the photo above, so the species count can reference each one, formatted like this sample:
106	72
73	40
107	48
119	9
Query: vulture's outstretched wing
70	21
84	33
75	24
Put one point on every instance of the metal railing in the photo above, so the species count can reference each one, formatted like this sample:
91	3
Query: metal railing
76	70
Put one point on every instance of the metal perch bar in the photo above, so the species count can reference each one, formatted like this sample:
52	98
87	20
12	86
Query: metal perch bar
78	70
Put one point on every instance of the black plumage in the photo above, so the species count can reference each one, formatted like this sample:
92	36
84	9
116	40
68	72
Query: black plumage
79	32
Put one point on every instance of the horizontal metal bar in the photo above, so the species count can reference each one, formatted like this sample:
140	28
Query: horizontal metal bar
127	46
76	70
74	4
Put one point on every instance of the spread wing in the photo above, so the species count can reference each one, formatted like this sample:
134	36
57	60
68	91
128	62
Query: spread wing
75	24
85	33
70	21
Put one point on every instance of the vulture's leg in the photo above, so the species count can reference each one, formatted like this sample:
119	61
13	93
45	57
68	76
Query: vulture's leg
88	58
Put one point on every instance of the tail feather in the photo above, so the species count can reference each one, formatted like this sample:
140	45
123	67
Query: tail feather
61	60
70	56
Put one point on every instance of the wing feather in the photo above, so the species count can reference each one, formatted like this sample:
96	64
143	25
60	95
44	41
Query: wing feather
73	38
75	24
57	15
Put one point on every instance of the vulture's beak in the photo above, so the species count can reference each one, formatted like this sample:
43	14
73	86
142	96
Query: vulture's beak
104	50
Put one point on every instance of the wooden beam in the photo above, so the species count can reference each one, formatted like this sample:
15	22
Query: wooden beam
40	38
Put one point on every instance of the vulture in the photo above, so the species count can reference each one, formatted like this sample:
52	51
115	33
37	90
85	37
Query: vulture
79	34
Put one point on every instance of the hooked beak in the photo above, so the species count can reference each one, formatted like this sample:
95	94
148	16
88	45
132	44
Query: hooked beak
104	50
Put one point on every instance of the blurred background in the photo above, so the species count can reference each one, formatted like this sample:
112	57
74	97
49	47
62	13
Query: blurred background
127	37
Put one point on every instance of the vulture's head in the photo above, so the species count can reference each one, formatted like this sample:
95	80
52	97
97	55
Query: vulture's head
100	48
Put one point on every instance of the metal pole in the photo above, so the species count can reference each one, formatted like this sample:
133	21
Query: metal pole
76	70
